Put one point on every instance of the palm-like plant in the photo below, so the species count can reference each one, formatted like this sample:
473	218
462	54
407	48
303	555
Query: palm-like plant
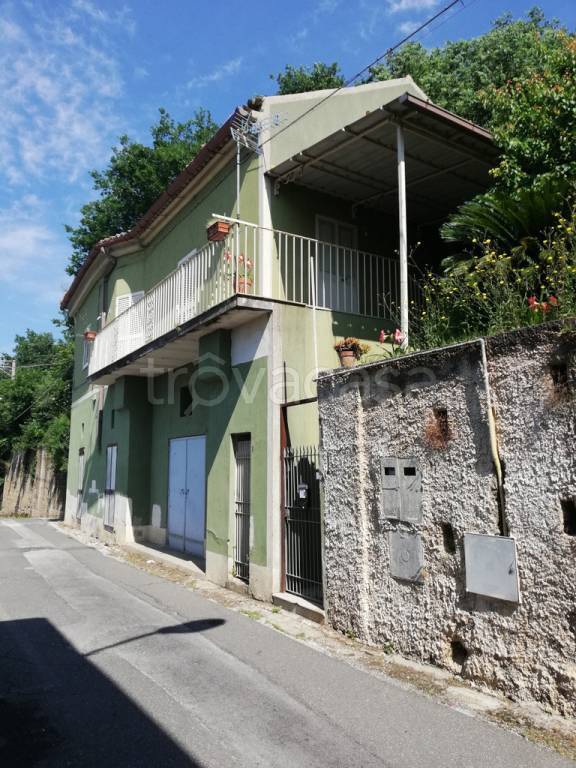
513	223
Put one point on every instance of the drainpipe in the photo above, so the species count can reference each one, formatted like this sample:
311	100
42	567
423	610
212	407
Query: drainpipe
502	524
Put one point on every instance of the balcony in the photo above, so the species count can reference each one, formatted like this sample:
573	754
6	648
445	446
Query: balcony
248	268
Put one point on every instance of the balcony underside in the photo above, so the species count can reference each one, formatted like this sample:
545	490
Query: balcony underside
179	346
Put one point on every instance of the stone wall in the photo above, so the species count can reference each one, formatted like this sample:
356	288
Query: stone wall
32	488
434	411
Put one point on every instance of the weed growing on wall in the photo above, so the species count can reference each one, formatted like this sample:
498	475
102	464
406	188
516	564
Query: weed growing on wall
500	290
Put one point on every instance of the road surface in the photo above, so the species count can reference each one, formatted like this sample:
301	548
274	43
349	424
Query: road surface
103	665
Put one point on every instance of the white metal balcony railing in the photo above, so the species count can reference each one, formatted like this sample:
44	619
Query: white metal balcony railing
303	271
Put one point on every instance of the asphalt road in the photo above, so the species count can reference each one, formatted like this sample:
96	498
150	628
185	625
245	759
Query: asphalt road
105	665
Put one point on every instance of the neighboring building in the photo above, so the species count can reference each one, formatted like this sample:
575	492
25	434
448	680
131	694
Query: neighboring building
194	417
450	509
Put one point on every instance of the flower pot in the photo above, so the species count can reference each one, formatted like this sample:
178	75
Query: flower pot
218	231
347	358
244	285
90	335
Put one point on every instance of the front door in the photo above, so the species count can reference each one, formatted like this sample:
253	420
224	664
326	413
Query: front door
110	489
337	257
187	495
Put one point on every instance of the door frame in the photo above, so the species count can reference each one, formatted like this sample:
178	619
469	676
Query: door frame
338	222
188	437
106	489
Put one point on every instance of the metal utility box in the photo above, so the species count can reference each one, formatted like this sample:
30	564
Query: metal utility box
401	490
491	566
406	555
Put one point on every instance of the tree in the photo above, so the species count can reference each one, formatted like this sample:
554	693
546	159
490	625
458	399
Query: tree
534	119
313	78
135	177
458	75
34	407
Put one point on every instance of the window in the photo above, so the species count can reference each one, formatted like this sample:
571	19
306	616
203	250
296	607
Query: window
86	352
126	300
185	401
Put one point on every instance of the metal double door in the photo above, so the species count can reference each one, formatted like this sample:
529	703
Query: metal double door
187	495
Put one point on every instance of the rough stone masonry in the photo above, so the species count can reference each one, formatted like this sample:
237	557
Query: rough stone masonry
483	433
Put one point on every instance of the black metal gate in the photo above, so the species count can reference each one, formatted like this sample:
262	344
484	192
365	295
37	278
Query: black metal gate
303	535
242	453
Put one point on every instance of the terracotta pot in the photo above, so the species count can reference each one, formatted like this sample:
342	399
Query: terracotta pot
218	231
244	285
347	358
90	335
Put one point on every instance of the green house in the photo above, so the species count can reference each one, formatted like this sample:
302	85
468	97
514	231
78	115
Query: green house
201	330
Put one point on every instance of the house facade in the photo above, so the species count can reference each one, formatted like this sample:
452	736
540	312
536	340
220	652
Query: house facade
200	332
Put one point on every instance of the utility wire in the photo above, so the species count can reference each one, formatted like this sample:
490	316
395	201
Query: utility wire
355	77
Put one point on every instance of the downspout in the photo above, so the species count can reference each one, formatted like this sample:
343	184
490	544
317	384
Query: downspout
502	524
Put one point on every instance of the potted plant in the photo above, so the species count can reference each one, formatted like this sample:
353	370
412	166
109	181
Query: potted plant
90	335
350	350
244	276
217	230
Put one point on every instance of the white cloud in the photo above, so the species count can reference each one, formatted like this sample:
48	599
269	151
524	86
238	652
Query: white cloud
228	69
141	73
407	27
60	90
403	6
29	252
121	17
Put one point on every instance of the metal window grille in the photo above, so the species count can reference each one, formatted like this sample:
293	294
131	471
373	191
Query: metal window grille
242	453
303	535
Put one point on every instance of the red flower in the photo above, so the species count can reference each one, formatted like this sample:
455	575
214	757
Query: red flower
553	301
532	303
383	336
398	337
545	307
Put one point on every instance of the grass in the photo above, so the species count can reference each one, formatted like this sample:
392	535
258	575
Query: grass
255	615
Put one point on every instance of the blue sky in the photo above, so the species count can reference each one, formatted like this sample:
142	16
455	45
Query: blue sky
74	75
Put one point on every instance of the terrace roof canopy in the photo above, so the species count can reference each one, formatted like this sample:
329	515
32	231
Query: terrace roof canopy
447	160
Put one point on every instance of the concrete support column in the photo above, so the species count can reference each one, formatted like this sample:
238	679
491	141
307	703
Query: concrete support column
403	229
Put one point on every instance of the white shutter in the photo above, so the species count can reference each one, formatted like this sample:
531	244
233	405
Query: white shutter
125	301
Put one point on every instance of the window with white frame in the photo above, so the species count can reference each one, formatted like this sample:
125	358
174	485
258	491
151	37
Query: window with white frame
86	352
126	300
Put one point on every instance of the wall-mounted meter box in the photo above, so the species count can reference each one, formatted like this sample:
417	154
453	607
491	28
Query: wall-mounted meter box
491	566
401	490
406	555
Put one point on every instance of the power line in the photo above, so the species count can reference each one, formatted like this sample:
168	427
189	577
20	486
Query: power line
355	77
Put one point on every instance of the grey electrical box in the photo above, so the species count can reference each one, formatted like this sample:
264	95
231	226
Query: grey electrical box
406	555
491	566
401	490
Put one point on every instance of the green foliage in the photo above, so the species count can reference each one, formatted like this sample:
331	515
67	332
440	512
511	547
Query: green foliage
34	406
313	78
511	222
499	291
458	75
534	119
135	177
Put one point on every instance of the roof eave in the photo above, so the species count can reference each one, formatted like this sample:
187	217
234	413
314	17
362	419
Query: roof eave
172	192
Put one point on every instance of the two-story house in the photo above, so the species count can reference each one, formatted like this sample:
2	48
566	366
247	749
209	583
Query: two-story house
200	331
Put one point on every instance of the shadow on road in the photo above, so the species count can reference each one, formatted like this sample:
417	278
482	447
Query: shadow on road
58	709
200	625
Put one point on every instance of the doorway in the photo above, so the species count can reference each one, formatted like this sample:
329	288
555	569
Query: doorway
110	489
187	495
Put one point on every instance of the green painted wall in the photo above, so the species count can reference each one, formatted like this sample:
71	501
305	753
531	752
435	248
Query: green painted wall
344	108
221	412
186	232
